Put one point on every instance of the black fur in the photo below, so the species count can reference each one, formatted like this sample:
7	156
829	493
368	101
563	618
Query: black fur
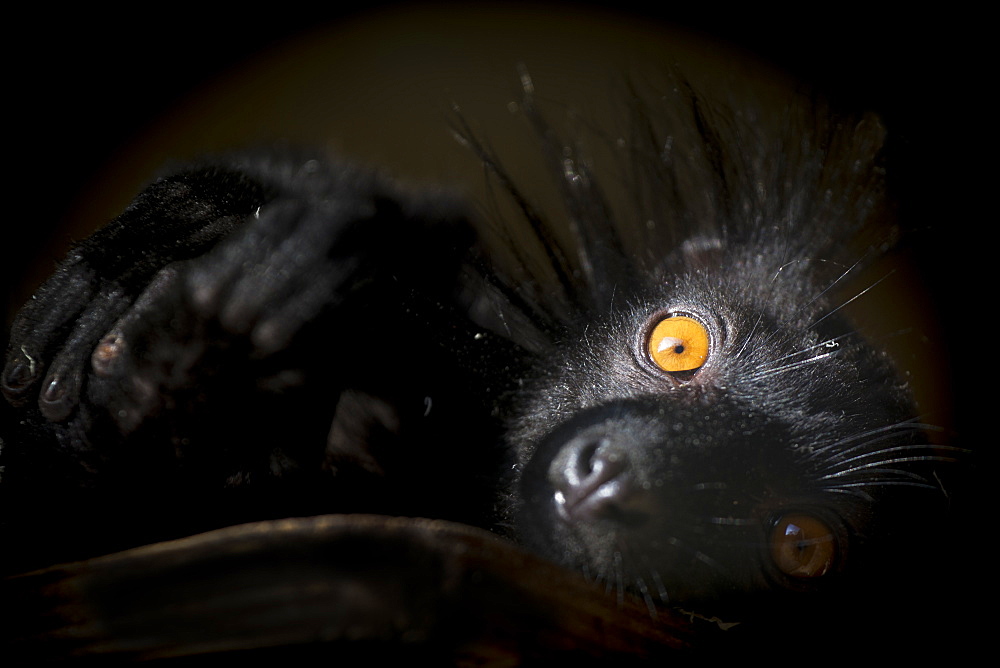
274	335
755	223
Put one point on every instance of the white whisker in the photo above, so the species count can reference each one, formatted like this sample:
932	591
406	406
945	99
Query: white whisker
896	449
866	290
788	367
879	483
873	468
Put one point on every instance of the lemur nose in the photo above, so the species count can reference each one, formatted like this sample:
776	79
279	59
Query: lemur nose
589	478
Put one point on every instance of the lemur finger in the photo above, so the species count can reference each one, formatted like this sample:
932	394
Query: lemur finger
147	353
279	264
278	323
246	253
40	322
107	357
60	391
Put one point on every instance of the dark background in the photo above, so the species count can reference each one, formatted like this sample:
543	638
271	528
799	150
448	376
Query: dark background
85	82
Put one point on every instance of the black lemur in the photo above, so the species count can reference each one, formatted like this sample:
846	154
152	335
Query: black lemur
657	387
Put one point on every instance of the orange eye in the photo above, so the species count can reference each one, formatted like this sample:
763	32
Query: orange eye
803	546
679	343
